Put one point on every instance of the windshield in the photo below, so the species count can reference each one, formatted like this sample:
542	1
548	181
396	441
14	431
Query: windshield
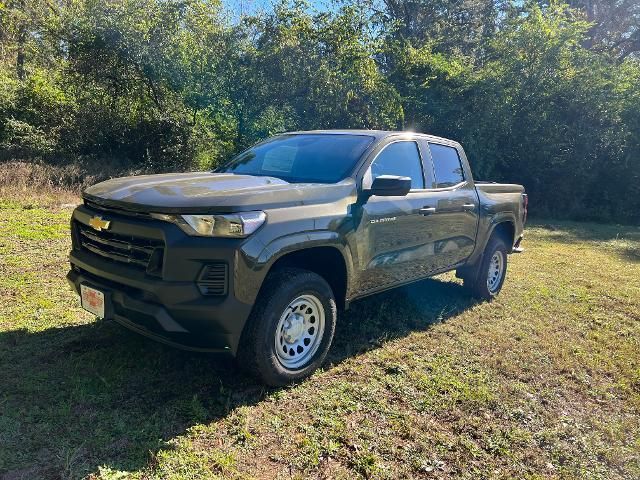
302	158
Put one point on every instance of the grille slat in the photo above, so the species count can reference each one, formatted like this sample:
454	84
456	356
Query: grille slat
139	252
114	256
119	244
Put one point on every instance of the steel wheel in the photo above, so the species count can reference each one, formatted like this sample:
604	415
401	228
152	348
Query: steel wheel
299	331
496	270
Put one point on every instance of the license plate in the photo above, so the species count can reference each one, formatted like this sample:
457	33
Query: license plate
92	300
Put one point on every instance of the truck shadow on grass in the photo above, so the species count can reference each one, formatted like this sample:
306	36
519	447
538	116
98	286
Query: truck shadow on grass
76	398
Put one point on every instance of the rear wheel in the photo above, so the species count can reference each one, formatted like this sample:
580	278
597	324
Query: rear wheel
291	327
486	282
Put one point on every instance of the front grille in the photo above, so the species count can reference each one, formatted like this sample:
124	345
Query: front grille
213	279
142	253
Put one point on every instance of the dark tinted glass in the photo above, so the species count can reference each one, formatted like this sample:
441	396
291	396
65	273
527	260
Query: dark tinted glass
401	159
321	158
446	164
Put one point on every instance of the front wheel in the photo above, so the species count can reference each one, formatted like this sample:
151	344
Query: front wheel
489	278
291	327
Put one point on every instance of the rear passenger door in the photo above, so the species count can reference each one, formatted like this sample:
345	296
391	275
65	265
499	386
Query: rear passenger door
454	222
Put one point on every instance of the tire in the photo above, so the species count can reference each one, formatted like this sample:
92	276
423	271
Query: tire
299	305
487	280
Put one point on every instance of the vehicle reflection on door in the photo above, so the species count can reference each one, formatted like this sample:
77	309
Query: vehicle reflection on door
393	244
453	226
397	243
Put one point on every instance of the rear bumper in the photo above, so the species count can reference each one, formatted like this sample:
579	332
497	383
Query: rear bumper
516	246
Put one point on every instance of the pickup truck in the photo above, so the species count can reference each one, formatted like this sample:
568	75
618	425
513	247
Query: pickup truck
257	257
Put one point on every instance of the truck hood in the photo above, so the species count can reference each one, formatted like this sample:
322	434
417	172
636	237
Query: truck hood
205	192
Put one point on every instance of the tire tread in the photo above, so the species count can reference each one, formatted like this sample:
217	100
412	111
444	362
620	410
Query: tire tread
250	355
477	283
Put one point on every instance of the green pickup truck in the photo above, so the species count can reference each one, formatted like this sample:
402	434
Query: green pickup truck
257	258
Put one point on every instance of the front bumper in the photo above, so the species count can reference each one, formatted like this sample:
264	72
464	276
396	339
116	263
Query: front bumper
170	307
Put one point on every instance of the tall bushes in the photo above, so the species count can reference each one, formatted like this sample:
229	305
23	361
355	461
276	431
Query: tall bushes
167	84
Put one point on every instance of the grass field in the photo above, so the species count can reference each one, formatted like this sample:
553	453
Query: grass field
422	382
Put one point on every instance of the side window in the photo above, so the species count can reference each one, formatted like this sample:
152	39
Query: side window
401	159
446	165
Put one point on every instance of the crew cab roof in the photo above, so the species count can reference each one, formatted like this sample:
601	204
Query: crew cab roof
377	134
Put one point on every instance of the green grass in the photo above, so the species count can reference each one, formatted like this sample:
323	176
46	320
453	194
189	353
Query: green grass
422	382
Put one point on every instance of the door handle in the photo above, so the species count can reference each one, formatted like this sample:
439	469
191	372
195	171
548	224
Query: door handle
469	206
427	210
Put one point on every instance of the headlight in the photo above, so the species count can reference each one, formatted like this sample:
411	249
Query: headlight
236	225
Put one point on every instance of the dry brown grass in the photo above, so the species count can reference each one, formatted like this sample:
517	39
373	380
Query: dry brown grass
25	181
49	185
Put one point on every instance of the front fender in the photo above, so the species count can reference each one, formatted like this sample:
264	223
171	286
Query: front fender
301	241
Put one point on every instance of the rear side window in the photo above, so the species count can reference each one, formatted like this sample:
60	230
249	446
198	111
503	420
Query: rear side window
401	159
446	165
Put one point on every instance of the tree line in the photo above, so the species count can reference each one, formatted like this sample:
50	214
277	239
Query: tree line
544	94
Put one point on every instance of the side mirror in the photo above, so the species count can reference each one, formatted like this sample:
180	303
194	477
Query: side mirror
390	186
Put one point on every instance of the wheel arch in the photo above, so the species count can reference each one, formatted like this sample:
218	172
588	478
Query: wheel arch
505	229
502	225
330	260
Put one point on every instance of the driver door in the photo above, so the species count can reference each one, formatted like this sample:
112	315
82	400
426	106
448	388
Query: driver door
392	242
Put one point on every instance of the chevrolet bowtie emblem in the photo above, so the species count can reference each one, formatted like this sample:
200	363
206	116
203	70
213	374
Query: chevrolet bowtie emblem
99	224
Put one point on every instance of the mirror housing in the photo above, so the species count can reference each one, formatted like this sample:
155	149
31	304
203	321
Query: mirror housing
390	186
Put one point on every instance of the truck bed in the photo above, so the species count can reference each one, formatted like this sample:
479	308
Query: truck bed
494	187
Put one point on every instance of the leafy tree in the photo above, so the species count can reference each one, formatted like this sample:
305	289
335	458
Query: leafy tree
539	93
553	110
615	25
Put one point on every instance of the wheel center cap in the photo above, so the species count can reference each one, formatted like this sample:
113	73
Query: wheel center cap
294	328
